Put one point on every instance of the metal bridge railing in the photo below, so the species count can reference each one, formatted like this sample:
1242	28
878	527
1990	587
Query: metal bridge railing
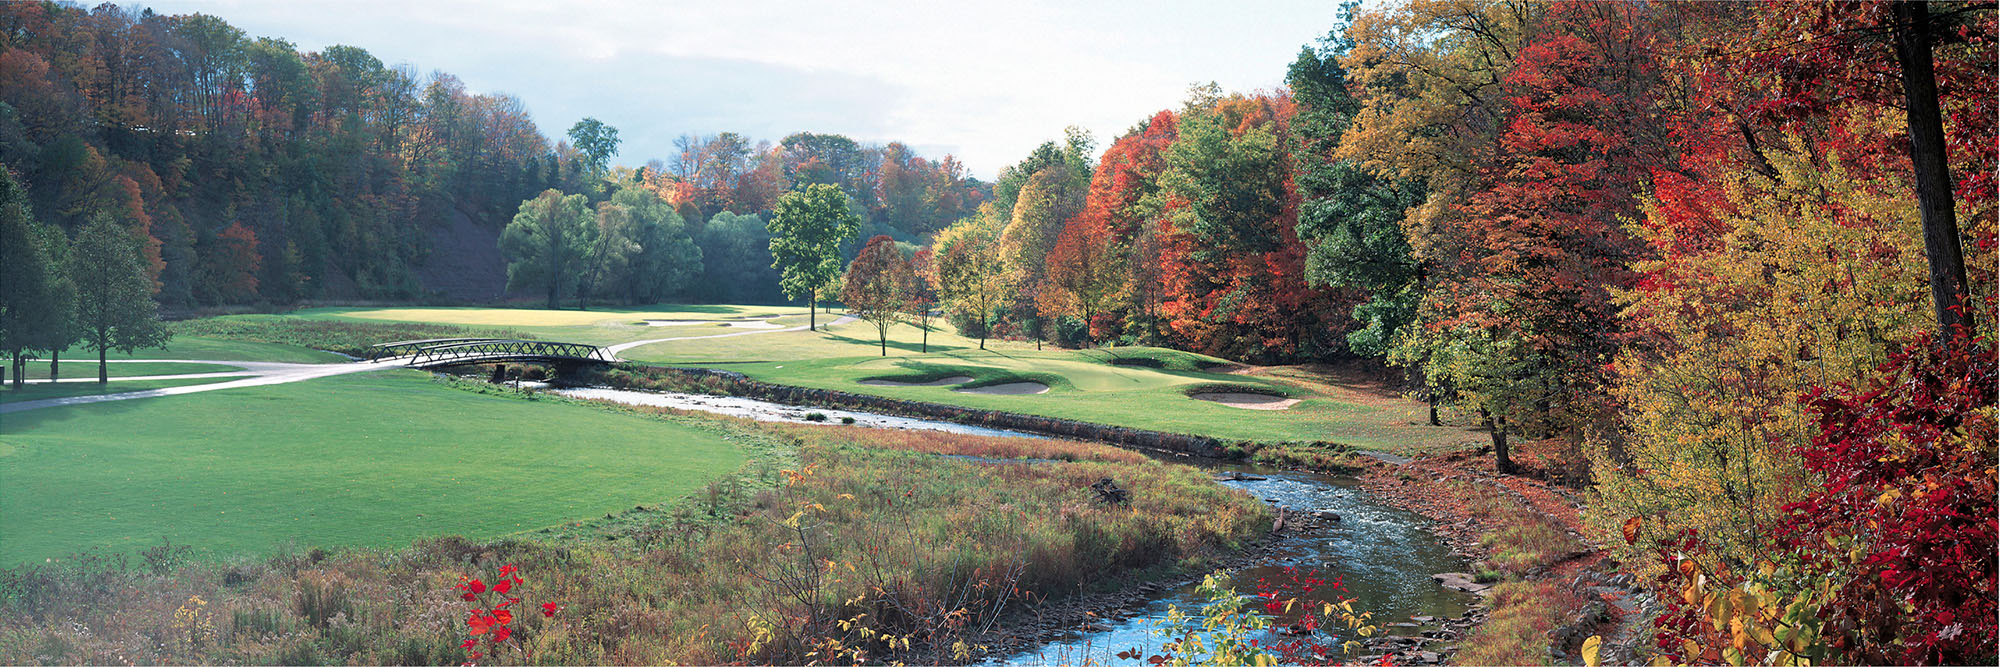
456	351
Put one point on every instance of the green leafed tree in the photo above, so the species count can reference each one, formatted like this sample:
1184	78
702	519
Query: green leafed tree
666	260
24	277
1350	219
58	330
114	296
546	244
596	142
806	230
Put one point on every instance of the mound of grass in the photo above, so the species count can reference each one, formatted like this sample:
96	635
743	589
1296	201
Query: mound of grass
372	459
1240	388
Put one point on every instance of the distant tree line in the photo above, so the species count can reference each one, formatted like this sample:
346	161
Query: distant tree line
253	172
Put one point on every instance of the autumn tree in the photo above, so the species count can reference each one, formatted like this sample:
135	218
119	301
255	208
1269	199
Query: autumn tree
806	230
1232	267
922	303
1125	196
228	272
1085	273
114	304
877	286
547	243
970	272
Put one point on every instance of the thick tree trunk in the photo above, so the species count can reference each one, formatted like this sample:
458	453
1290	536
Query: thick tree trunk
1933	178
812	310
927	338
1502	461
103	370
55	365
883	333
1432	399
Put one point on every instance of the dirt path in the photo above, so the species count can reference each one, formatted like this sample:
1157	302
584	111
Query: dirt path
260	373
615	350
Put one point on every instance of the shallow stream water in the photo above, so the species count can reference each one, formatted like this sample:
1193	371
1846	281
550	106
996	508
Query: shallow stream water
1382	555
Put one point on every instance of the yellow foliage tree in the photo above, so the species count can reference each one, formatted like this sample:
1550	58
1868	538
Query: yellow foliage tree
1814	276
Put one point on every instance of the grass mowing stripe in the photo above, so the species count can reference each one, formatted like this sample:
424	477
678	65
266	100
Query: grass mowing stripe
367	460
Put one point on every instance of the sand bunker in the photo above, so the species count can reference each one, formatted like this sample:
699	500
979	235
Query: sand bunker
940	382
1247	401
1008	389
737	324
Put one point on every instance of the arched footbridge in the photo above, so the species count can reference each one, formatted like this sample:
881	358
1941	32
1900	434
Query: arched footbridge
440	352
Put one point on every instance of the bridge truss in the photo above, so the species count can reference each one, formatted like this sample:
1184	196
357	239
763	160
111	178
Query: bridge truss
440	352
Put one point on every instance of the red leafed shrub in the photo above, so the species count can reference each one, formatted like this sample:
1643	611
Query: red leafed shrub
1908	463
1891	560
490	625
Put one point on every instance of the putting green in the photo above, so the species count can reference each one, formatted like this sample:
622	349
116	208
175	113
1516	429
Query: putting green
375	459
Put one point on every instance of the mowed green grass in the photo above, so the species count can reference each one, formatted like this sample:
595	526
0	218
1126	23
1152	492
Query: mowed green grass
35	392
1084	384
374	459
72	368
208	349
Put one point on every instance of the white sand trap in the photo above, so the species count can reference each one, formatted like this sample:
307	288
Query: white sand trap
734	324
940	382
1008	389
1247	401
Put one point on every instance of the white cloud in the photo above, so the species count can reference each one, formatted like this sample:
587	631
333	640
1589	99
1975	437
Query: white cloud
984	81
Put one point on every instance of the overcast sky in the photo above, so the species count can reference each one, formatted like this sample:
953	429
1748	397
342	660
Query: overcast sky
986	81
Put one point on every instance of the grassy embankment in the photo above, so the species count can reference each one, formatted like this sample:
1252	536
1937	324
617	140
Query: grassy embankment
1523	535
765	565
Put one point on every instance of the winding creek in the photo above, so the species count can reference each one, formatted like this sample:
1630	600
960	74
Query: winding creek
1384	555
